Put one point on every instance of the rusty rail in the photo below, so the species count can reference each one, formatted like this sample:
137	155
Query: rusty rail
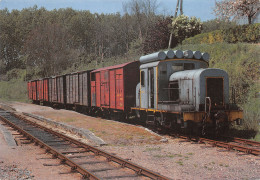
138	169
231	146
243	141
227	145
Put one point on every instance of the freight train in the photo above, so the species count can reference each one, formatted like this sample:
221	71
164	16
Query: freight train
169	89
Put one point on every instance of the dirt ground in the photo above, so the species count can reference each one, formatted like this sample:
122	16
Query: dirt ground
176	159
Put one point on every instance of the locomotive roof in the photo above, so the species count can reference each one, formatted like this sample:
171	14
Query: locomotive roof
154	64
191	74
114	67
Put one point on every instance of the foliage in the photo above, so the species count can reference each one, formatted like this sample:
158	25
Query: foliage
244	33
13	90
144	12
48	47
216	24
49	42
158	36
237	8
251	108
205	38
159	33
183	27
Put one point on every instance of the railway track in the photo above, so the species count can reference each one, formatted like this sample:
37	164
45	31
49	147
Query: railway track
87	160
233	143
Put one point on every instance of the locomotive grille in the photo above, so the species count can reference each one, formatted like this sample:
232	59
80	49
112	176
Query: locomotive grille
215	90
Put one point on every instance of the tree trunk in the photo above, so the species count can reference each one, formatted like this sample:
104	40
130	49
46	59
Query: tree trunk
249	19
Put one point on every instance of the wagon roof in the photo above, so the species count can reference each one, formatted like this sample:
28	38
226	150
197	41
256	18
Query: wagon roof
114	67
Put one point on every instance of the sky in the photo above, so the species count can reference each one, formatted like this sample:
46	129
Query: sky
202	9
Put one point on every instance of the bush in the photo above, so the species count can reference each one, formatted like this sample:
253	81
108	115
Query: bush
244	33
216	24
14	90
251	109
205	38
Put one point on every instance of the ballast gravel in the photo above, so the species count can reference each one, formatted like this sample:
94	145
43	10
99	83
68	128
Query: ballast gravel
11	172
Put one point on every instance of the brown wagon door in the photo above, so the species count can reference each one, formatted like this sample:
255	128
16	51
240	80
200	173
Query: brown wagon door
85	89
104	88
119	89
98	89
93	89
112	77
54	90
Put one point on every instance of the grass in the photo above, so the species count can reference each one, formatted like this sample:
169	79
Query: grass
13	90
170	156
257	137
92	130
173	155
179	162
152	149
69	120
223	165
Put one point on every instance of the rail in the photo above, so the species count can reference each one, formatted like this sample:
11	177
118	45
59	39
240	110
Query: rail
228	145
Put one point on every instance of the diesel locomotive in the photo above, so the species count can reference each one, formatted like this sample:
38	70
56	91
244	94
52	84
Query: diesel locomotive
171	90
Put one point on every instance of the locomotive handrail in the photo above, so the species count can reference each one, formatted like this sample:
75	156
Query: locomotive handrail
208	113
168	101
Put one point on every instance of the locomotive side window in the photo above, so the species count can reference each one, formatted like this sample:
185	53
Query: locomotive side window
174	91
142	78
177	67
188	66
182	66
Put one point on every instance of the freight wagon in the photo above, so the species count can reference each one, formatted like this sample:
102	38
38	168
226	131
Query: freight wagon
113	88
78	91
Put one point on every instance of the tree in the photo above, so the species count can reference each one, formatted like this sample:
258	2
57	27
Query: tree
144	12
237	8
184	27
48	49
157	37
216	24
